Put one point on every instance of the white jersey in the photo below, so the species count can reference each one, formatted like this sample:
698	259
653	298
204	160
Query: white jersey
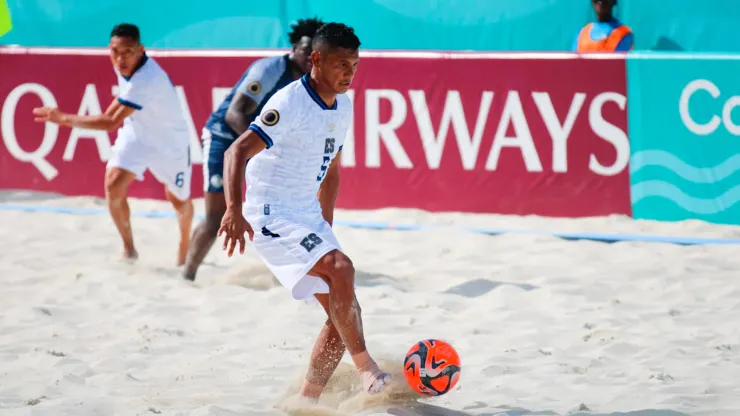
303	136
158	122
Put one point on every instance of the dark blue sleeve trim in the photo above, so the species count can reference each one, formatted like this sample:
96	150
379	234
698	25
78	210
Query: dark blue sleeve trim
129	104
264	136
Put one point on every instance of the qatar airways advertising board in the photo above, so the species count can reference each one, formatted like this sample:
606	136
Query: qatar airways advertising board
444	132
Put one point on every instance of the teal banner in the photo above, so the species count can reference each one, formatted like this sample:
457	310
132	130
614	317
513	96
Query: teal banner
480	25
684	127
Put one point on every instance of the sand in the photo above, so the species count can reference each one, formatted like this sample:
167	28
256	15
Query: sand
543	326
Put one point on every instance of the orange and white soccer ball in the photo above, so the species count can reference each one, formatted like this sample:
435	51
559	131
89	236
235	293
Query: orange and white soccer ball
432	367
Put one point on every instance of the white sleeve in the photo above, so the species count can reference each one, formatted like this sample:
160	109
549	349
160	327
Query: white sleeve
261	78
276	120
134	93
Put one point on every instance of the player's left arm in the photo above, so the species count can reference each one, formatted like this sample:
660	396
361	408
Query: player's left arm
112	118
330	189
260	79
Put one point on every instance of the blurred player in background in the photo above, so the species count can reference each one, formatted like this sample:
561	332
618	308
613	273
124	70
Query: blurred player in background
153	136
295	146
607	34
245	101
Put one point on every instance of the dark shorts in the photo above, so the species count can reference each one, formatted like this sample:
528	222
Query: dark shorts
214	148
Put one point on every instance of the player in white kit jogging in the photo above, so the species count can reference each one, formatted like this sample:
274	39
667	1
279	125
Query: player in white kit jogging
294	149
154	135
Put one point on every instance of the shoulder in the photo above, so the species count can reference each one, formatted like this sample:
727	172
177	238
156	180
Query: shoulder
344	100
344	103
287	95
293	94
626	30
269	65
150	73
620	27
623	31
262	75
585	29
285	102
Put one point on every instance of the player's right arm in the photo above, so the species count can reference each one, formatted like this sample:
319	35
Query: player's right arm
233	223
237	116
274	123
261	78
112	118
133	96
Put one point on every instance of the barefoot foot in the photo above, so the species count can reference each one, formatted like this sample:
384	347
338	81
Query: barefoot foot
129	254
374	383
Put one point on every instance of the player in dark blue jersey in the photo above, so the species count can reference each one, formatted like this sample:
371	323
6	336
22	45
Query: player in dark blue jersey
245	100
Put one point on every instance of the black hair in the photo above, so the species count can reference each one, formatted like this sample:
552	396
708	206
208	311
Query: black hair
336	35
126	30
304	27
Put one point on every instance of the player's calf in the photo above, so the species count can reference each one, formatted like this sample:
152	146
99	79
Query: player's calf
338	271
325	357
205	233
117	181
184	210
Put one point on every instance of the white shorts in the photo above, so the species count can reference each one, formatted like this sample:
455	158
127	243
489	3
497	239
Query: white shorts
290	248
172	168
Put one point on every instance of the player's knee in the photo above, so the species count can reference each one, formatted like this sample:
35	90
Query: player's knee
115	187
339	269
178	201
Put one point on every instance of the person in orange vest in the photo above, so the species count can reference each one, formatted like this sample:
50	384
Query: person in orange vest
607	34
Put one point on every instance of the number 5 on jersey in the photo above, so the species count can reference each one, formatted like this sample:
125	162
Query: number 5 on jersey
328	150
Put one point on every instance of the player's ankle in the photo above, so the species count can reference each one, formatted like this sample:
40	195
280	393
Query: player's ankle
364	362
310	390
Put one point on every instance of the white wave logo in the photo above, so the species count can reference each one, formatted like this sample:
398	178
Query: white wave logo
661	189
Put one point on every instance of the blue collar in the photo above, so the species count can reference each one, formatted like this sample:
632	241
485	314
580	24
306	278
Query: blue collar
143	60
315	96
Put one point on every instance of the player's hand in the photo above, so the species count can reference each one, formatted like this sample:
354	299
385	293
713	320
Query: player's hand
47	114
233	225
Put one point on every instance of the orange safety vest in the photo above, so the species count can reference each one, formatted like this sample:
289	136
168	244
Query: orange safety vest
609	44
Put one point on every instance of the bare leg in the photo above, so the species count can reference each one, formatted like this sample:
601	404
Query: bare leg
344	310
117	181
325	357
205	233
184	210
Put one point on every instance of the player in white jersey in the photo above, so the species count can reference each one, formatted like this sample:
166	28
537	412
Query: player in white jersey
153	135
244	102
294	149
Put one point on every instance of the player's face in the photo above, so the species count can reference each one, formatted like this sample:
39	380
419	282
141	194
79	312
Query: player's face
603	8
338	67
302	54
125	54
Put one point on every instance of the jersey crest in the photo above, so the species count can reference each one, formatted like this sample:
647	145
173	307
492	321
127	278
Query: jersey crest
254	87
270	117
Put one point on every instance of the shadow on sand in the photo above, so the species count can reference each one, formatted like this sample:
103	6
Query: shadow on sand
421	409
10	195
